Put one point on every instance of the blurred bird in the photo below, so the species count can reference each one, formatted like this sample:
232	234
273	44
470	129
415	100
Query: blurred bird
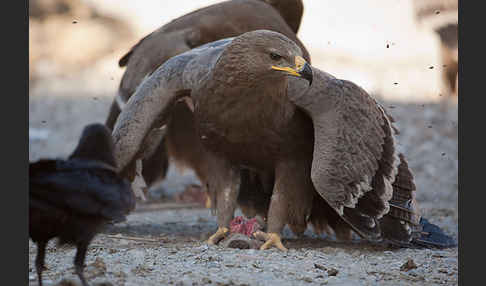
73	199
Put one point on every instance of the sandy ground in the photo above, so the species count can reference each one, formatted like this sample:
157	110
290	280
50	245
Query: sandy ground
172	250
178	256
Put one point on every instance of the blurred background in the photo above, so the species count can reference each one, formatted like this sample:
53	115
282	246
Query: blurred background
374	43
391	48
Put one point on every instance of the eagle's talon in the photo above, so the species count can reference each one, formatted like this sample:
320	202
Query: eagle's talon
271	239
218	235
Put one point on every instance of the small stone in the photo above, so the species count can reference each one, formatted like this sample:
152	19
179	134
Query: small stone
332	272
410	264
387	46
437	12
206	280
75	21
307	279
321	267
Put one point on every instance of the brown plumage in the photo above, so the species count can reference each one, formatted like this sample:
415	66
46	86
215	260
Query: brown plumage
327	150
222	20
73	199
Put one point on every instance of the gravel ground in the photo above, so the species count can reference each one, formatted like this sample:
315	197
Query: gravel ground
173	251
178	255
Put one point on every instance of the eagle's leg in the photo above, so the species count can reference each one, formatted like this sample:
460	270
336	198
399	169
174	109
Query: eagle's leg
277	218
291	202
223	188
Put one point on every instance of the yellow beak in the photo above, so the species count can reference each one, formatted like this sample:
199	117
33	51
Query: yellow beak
302	69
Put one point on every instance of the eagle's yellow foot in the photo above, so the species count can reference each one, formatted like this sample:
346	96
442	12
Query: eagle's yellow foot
216	237
270	239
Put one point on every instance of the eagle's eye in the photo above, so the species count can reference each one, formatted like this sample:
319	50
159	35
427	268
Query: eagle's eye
275	56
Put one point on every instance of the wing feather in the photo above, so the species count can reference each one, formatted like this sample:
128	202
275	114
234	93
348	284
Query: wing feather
153	99
354	151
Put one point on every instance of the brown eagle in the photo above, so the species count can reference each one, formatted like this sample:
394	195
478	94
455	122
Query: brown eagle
324	150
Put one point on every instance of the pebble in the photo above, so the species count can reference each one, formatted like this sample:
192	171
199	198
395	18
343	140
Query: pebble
410	264
332	272
307	279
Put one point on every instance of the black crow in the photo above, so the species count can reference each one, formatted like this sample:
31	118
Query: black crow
73	199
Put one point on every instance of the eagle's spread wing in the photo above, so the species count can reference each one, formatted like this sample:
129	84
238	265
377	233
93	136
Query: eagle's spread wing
355	160
150	105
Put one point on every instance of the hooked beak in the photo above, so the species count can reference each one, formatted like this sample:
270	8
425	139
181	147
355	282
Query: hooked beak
302	69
